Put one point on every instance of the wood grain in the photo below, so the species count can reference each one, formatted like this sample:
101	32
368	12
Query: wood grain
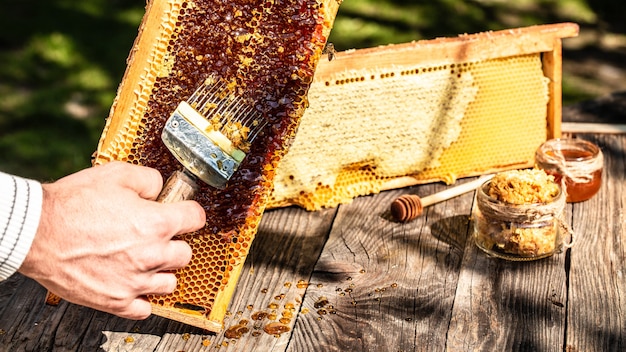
372	284
597	308
387	284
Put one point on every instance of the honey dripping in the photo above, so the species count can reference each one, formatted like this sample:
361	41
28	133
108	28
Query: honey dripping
259	315
321	302
237	331
276	329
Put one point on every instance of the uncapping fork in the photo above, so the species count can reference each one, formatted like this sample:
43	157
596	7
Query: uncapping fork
209	134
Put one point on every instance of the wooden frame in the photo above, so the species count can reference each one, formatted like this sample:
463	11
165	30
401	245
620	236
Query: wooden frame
541	44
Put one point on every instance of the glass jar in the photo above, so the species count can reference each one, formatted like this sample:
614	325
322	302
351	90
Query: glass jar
577	162
519	232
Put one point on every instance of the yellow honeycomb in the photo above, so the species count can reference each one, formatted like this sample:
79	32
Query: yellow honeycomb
366	128
267	57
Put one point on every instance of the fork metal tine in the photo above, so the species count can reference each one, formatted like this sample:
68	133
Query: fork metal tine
212	97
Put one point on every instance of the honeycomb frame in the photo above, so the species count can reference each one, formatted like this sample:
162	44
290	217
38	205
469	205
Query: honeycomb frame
514	76
179	45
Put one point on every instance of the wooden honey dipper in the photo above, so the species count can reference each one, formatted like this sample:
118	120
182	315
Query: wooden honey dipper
409	206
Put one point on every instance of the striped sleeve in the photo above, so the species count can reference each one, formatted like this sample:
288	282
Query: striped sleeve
20	210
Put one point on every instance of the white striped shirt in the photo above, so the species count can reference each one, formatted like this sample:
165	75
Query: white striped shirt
20	211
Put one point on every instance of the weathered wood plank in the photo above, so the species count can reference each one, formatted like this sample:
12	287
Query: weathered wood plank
123	341
29	324
382	285
8	289
497	301
110	333
597	290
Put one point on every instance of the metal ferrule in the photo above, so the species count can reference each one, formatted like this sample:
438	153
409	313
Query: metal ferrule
197	152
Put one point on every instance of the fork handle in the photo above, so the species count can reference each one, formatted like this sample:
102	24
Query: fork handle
179	186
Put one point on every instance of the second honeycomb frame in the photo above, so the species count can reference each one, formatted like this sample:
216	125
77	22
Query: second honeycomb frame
542	42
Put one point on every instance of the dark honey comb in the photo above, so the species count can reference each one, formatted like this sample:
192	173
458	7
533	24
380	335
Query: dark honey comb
266	50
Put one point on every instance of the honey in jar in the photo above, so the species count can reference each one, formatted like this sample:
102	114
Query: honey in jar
519	216
574	162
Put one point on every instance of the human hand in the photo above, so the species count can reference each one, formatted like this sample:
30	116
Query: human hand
103	242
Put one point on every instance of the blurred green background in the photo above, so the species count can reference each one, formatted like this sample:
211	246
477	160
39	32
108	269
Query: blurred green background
62	60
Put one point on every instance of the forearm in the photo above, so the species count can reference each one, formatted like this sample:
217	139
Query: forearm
20	211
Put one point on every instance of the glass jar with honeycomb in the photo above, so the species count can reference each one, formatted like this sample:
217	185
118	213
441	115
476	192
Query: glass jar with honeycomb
575	162
519	215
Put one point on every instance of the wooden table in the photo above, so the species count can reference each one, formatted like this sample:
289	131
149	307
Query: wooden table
351	279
